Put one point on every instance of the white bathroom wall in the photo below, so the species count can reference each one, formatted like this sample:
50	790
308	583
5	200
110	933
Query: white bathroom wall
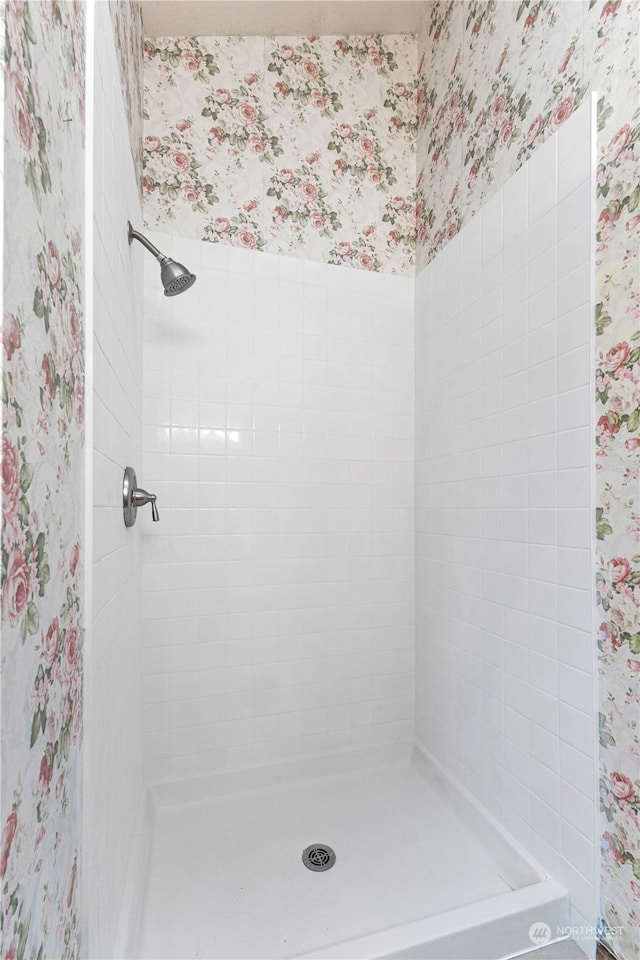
504	651
278	585
113	718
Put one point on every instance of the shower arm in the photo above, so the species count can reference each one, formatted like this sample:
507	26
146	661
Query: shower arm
134	235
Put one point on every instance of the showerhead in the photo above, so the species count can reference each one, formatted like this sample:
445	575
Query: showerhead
175	276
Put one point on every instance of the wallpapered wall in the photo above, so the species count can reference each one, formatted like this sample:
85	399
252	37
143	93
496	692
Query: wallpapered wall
126	16
496	79
42	480
302	146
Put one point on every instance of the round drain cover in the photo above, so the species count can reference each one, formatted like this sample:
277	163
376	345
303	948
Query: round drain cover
318	857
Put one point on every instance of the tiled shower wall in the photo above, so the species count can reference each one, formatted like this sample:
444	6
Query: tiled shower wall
278	584
503	509
113	713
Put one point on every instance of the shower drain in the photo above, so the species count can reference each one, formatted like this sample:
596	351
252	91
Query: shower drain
318	857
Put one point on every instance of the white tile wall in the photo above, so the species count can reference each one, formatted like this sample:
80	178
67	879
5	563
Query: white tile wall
504	656
278	585
113	714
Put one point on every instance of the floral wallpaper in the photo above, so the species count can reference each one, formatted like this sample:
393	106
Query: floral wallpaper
126	16
42	480
303	146
494	80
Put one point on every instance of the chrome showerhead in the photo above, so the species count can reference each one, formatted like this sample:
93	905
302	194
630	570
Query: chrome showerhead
175	276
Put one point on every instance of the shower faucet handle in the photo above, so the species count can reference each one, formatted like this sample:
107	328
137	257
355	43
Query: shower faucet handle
140	497
134	496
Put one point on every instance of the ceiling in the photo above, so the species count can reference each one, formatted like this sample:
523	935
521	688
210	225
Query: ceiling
214	18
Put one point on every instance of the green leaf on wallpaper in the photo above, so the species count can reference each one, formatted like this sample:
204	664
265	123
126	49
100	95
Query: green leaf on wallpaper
32	618
635	336
634	199
606	739
635	866
523	6
26	476
604	112
40	952
35	728
23	935
603	527
603	319
634	643
634	421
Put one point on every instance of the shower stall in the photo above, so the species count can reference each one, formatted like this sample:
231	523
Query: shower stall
304	560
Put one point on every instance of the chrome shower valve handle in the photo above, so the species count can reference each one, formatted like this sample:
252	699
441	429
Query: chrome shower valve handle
134	496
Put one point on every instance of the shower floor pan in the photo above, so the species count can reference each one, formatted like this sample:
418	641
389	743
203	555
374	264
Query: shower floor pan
420	872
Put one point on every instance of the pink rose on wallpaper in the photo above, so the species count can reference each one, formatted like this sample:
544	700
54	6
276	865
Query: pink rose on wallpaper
70	652
374	57
317	220
373	175
607	427
181	125
366	260
308	190
9	832
344	248
564	63
621	570
318	100
222	95
505	132
54	267
452	229
309	69
617	356
191	62
48	379
78	403
17	587
250	78
344	130
189	193
11	339
46	769
217	133
72	883
147	185
501	61
400	89
621	786
285	175
247	113
51	642
11	953
619	142
22	119
221	225
312	158
369	114
342	46
152	144
563	111
633	443
249	205
287	52
634	665
368	230
367	146
10	478
256	143
246	239
633	223
499	104
624	396
609	8
73	328
179	160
